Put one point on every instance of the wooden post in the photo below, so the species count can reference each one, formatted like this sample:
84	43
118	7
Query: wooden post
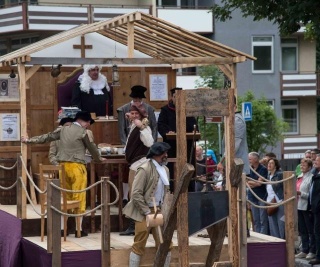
217	233
54	222
23	118
243	221
130	39
182	209
105	223
19	187
233	203
92	195
289	210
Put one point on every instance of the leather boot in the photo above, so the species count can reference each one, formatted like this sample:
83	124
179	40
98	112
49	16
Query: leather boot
134	260
130	229
168	259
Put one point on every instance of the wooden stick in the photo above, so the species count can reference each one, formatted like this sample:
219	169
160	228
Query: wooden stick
32	191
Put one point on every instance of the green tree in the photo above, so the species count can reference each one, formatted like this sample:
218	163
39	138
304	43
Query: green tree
265	129
290	15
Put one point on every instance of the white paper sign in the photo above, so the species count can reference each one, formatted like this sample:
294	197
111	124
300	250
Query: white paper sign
158	87
10	127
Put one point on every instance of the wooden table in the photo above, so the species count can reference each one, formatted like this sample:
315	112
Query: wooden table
111	159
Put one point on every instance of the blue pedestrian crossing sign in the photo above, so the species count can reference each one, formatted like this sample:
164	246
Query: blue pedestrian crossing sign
247	111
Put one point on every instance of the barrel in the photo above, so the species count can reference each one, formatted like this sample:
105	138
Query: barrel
7	178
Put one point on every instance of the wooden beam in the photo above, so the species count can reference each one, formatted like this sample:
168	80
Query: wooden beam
289	211
32	71
130	39
23	123
243	222
182	209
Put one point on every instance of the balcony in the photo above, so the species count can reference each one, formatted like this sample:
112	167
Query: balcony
300	84
293	147
59	17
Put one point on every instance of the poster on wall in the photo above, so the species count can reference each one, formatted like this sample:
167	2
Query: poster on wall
158	87
10	127
9	89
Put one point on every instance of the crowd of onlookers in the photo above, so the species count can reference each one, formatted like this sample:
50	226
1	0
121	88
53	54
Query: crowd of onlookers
271	221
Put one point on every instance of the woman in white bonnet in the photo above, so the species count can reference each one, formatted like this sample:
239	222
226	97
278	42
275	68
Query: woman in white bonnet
91	92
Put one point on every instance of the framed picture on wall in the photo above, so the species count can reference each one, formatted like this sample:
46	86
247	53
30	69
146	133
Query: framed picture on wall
158	87
10	127
9	89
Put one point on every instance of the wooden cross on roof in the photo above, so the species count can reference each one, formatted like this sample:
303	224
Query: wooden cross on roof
83	47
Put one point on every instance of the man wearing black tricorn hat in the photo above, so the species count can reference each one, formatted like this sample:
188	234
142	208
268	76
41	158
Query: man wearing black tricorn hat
74	141
151	180
137	94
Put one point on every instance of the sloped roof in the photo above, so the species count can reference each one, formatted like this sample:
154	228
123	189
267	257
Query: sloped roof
152	36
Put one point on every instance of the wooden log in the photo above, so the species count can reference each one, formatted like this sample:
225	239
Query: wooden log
217	233
289	211
54	222
171	220
105	223
19	187
23	118
182	208
243	221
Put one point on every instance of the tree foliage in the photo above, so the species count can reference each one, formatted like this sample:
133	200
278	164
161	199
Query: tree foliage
265	129
289	15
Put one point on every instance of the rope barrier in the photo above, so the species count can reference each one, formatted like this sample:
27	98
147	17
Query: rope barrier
9	168
75	191
10	187
28	197
30	178
203	165
271	205
265	202
266	180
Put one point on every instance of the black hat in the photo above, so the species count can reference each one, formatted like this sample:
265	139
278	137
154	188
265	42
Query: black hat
85	116
65	120
157	149
173	90
138	91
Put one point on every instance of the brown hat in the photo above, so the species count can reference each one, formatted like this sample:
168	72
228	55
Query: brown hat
140	108
138	91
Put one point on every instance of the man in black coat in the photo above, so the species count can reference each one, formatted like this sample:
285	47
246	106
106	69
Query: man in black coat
315	207
167	124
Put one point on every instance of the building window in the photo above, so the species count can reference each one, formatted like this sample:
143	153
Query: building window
290	114
289	54
262	49
18	43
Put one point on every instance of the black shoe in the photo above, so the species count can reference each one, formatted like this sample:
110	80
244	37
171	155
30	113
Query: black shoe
82	234
314	262
129	231
62	233
124	202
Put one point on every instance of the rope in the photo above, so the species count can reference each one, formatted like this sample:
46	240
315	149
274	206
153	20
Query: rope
76	215
28	197
88	188
10	187
75	191
30	178
265	202
266	180
203	165
9	168
271	205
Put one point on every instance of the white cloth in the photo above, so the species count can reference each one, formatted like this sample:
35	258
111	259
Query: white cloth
271	193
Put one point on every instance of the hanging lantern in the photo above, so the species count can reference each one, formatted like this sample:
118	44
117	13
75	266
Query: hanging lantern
115	76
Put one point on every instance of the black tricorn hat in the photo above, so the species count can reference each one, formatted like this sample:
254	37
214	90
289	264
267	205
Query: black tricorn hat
85	116
65	120
138	91
157	149
173	90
